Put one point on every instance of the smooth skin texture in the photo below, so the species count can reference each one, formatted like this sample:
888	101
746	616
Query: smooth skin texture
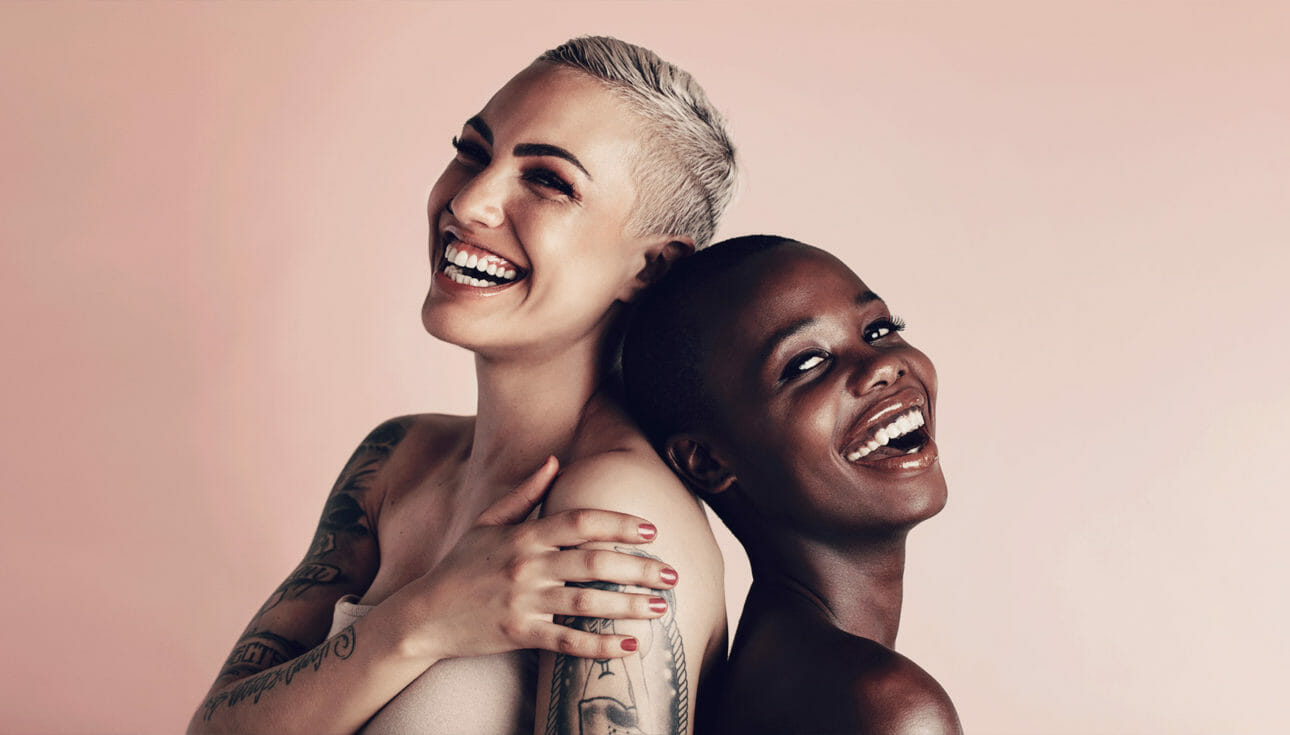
427	520
801	359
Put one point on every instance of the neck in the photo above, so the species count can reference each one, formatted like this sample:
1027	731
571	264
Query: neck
528	409
858	586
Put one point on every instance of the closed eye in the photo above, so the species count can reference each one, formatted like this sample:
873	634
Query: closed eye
470	154
548	179
805	363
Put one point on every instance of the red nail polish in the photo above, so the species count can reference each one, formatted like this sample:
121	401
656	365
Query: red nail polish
629	644
668	575
647	531
658	604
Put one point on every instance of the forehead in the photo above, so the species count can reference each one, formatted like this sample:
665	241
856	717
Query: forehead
778	286
555	105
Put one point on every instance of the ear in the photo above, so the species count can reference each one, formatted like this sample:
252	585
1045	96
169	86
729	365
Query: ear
695	462
659	257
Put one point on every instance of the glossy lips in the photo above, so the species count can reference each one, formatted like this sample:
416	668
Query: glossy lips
903	426
893	436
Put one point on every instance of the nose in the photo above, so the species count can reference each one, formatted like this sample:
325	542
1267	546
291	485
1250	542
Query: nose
479	201
878	371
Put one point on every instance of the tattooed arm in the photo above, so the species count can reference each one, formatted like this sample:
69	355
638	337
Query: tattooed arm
281	671
653	690
488	595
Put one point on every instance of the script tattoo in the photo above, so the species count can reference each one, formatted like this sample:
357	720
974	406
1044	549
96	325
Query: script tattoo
642	694
339	646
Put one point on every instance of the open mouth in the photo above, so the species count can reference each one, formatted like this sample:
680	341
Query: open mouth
470	265
905	434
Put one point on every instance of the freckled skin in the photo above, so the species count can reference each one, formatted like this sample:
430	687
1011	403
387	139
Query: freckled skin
826	536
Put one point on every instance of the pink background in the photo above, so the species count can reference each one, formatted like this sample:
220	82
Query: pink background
214	254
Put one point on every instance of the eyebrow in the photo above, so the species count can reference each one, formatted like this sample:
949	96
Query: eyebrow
482	128
783	333
543	149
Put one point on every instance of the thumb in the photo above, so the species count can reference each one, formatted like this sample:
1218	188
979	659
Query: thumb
516	505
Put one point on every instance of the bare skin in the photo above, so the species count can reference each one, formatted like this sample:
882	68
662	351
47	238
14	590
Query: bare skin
803	365
427	522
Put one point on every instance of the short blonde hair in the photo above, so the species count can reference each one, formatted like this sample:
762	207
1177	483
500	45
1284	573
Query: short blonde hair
686	171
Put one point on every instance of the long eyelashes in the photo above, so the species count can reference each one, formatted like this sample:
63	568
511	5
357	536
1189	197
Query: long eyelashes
880	328
471	153
474	155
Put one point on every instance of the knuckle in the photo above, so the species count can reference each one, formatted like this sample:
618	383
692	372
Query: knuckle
567	643
582	520
582	602
518	568
594	563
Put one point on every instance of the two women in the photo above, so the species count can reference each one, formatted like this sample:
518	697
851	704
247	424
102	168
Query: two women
572	190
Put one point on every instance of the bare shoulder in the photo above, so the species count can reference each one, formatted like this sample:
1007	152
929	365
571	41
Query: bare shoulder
896	695
614	468
817	678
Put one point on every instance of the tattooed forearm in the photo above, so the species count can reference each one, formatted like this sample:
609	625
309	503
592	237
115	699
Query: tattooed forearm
259	650
339	646
642	694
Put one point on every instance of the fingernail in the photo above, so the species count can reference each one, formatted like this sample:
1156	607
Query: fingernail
668	575
647	531
658	604
629	644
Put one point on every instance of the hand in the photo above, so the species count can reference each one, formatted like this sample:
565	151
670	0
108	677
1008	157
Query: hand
499	587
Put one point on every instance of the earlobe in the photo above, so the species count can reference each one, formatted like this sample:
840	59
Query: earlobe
701	468
658	259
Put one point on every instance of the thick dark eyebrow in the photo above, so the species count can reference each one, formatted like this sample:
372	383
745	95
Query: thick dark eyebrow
482	128
542	149
783	333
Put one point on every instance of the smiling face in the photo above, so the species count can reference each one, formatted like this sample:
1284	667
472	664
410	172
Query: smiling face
528	223
824	414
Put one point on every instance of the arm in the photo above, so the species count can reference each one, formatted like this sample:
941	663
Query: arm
651	691
488	595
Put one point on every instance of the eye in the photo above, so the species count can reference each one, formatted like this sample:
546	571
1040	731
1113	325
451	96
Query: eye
883	327
469	153
548	179
804	363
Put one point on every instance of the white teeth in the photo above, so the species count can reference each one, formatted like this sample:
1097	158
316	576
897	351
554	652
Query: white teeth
461	258
492	269
902	425
510	274
472	261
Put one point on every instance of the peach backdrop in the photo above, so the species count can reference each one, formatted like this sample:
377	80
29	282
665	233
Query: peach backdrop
214	253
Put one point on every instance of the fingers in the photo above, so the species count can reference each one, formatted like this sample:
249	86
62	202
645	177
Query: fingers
581	644
596	565
589	602
578	526
516	505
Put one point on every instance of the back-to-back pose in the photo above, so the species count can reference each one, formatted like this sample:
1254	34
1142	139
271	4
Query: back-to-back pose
570	191
779	386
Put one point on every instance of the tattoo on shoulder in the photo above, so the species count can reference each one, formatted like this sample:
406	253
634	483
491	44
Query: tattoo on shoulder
646	693
339	646
342	516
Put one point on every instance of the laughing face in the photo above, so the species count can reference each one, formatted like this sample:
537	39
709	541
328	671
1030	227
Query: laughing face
823	412
528	223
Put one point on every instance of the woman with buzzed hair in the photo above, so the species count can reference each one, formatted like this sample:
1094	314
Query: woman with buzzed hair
571	191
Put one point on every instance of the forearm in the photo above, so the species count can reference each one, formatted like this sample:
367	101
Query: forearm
334	687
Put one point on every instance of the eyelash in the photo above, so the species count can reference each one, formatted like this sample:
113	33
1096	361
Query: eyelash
474	155
811	359
891	324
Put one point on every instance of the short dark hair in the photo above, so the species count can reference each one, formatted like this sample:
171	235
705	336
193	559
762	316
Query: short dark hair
662	351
